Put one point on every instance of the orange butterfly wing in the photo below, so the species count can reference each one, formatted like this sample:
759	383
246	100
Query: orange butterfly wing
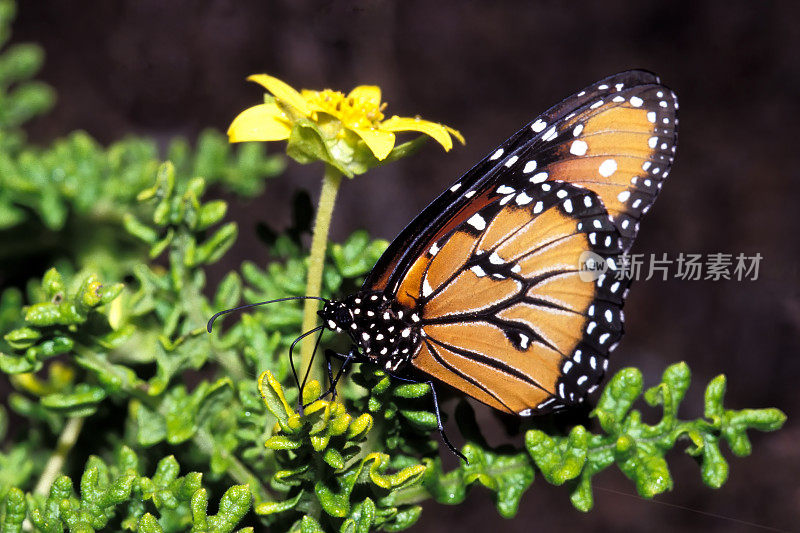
616	137
506	316
535	339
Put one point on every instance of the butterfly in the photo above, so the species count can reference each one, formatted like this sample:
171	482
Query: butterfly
485	290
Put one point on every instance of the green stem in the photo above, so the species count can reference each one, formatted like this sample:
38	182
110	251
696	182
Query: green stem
316	259
67	439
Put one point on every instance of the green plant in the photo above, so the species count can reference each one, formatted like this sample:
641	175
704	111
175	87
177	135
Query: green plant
66	201
135	418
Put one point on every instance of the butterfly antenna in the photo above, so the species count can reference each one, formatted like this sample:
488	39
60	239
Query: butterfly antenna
225	312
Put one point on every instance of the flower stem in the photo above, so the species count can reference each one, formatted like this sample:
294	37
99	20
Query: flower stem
316	259
67	439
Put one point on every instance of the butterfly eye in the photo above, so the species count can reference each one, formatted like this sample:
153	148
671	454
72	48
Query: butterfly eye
336	313
342	316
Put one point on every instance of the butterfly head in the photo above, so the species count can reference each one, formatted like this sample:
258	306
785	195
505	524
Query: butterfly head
336	316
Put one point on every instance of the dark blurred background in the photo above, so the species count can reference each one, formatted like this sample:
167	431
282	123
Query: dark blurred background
168	68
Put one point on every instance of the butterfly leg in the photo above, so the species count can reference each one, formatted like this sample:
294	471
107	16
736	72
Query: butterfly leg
439	424
300	385
330	354
331	381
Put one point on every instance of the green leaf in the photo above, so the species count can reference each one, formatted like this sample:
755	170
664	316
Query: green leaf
558	459
507	476
82	401
403	519
618	397
216	245
210	214
19	364
714	396
229	292
275	401
269	508
714	468
139	230
149	524
581	497
235	503
15	511
151	426
332	502
648	470
308	525
361	519
22	338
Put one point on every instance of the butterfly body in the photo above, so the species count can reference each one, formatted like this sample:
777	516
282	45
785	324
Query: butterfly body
386	332
485	289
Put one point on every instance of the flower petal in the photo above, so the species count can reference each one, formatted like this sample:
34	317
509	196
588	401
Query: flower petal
379	142
259	123
283	92
455	133
438	132
368	93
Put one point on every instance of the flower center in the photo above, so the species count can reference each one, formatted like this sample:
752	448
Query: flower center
355	112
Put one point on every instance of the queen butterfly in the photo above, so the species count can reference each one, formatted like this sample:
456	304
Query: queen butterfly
483	289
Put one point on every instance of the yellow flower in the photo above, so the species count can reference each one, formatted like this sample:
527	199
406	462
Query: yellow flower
335	116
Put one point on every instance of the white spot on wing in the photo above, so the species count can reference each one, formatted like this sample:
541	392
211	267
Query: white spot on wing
426	288
478	271
497	154
523	199
523	341
608	167
477	222
496	259
538	177
539	125
578	147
